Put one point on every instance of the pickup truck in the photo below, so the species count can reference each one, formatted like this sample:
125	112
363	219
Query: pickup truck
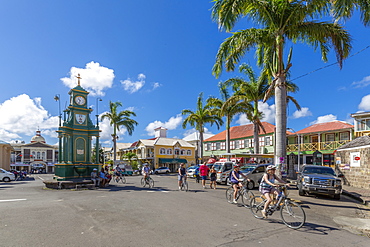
319	180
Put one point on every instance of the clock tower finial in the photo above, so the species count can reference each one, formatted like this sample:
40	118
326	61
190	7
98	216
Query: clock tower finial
78	77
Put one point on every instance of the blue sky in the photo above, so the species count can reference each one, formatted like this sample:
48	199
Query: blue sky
155	57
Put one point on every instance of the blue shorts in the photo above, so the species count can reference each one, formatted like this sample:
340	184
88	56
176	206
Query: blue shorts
204	177
179	177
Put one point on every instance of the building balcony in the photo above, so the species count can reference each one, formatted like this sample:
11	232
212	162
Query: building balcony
313	146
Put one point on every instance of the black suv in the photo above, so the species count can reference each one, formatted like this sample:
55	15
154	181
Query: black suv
319	180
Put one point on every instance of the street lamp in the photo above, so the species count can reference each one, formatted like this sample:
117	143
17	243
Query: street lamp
57	98
97	110
299	146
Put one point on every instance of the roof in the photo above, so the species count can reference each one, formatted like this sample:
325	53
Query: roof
358	142
2	142
171	142
195	136
242	131
120	145
328	126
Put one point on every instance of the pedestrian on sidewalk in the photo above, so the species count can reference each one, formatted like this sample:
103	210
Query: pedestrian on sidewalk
212	177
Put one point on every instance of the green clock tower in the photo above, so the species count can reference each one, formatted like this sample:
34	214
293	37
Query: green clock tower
75	136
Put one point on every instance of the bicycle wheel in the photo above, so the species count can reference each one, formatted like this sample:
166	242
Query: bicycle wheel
186	185
292	214
247	195
143	182
230	194
256	206
123	179
150	183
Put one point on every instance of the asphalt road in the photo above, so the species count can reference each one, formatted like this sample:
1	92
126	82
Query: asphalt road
129	215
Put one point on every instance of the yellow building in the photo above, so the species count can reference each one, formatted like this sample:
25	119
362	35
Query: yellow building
5	151
162	151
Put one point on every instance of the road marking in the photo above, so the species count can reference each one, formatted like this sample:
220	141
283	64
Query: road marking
41	178
13	200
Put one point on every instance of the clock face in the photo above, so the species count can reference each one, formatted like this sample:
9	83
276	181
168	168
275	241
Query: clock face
80	100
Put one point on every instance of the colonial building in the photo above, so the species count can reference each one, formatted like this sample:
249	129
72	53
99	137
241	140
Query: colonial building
317	143
241	141
195	140
5	153
36	155
361	123
163	151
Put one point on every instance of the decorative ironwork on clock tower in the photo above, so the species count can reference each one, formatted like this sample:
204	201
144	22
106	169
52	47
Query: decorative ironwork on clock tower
75	136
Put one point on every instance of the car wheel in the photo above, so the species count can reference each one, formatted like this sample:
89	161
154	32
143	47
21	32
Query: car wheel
227	181
250	185
337	197
6	179
156	173
167	172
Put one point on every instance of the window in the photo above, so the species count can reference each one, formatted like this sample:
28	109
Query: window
223	145
169	151
218	146
43	155
344	136
330	137
162	151
262	141
246	143
188	152
268	141
237	146
208	146
241	144
251	143
213	146
182	152
177	152
232	145
38	155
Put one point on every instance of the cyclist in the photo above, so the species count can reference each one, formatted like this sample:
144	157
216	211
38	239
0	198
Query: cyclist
235	181
145	171
267	185
181	174
118	171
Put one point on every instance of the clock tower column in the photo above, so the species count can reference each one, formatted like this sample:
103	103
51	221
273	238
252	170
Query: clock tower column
75	138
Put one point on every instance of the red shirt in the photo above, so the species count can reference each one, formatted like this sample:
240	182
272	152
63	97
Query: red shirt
204	170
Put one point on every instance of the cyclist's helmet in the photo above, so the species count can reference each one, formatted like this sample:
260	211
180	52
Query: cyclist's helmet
146	164
271	167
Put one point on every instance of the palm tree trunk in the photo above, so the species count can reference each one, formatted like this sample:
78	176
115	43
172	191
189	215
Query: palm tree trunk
114	144
281	104
201	142
228	134
256	137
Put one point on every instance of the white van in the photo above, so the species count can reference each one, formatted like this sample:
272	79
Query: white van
223	171
6	176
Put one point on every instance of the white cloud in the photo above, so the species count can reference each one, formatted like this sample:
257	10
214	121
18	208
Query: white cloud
304	112
363	83
156	85
171	124
268	114
324	119
95	78
365	103
134	86
192	131
22	115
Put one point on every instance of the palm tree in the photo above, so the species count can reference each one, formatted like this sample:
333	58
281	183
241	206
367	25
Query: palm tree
129	156
199	118
255	90
281	21
223	108
117	120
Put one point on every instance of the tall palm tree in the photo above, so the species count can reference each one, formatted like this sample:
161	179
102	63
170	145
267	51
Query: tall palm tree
280	22
117	120
255	90
224	108
199	118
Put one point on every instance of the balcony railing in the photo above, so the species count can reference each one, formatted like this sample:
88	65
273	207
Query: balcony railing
313	146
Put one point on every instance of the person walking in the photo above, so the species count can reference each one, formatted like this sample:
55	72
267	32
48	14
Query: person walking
204	170
181	174
212	177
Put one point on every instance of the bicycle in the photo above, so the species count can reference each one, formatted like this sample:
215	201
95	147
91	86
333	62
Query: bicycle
243	192
184	185
121	178
291	213
148	181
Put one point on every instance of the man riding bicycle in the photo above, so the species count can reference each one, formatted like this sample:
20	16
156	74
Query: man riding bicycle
118	171
181	174
145	171
267	185
235	181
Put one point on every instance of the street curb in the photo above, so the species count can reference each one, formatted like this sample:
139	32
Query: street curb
356	197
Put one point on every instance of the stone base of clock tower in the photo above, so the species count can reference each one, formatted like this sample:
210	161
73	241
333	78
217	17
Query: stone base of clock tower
66	172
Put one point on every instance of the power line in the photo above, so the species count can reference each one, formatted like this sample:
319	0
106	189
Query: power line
330	64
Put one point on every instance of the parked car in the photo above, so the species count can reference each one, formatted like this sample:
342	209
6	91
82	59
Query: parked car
254	173
192	170
6	176
162	170
319	180
128	169
223	171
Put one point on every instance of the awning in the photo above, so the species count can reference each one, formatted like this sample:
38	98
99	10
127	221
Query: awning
211	161
163	160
